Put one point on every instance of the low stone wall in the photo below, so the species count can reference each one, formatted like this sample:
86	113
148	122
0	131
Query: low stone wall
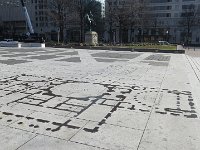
41	45
8	44
181	51
20	45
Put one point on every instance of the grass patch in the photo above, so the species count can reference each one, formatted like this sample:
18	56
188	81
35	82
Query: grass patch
133	46
147	46
160	47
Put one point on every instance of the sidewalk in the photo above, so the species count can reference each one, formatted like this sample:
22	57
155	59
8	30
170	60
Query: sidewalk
192	51
193	56
58	99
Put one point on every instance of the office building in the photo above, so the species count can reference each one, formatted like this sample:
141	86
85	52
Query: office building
13	23
165	21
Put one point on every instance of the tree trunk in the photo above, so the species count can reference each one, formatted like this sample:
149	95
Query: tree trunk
120	33
188	33
61	33
111	33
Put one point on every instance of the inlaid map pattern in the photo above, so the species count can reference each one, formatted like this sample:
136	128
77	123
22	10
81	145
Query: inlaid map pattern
52	105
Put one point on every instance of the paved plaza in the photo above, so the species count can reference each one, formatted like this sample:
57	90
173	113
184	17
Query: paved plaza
67	99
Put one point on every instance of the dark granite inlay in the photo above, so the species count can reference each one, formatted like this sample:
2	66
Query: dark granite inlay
108	60
68	53
158	57
13	61
22	50
116	55
43	57
16	55
153	63
72	59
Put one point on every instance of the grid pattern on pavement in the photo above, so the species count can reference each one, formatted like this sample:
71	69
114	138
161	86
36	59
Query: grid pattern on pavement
108	100
41	92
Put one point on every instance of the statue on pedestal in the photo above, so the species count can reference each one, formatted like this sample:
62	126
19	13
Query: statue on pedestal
91	37
90	19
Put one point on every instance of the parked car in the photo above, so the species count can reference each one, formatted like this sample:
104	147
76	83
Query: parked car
163	43
7	40
8	43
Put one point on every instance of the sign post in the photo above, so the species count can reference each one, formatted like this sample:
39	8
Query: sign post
58	35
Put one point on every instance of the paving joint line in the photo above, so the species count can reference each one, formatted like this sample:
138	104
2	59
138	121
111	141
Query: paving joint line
89	145
26	142
152	108
189	60
78	131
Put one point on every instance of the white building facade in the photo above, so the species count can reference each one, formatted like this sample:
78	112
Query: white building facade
167	18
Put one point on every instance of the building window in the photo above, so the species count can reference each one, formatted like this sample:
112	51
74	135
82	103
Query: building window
197	39
188	0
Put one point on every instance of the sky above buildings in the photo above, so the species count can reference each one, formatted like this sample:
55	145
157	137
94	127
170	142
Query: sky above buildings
102	0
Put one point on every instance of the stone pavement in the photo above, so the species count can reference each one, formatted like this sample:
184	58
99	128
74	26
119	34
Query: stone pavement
192	51
65	99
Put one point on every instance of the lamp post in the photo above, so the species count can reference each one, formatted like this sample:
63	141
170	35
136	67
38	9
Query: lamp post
114	35
139	34
167	33
58	35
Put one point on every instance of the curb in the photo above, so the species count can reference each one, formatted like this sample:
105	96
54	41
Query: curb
123	49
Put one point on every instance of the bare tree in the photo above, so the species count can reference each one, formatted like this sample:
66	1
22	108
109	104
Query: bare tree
189	20
1	30
57	11
139	17
109	18
122	17
135	15
117	16
153	25
128	14
83	7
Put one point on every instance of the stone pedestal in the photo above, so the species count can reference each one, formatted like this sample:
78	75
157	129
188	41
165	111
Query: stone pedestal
91	38
179	47
20	45
41	45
